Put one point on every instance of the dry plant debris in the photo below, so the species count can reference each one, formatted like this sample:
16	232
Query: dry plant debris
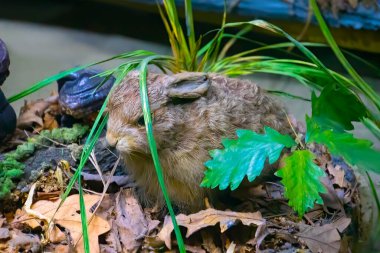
68	217
39	114
262	221
209	217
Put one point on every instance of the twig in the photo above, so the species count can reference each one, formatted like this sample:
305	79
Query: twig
94	162
294	131
102	197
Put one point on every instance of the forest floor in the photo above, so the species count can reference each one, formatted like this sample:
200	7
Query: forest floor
254	218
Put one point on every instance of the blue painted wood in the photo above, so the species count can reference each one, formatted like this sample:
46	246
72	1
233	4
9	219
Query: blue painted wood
296	10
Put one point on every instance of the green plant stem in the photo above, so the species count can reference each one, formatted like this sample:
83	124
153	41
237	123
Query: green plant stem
190	26
364	87
86	243
153	146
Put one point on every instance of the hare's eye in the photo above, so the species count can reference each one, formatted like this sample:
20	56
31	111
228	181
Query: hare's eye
205	78
141	121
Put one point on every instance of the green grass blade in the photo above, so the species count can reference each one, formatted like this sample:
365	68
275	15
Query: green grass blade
270	27
175	32
190	26
370	245
39	85
375	130
363	86
153	146
211	49
232	41
374	193
287	95
82	205
35	87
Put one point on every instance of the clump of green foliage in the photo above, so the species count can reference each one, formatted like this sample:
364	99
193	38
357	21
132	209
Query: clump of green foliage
300	175
12	168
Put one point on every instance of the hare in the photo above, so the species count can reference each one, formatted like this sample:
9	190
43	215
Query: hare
191	113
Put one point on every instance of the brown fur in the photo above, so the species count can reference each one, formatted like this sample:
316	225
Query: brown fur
184	132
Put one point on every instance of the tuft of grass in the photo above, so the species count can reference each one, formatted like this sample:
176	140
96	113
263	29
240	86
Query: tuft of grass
360	83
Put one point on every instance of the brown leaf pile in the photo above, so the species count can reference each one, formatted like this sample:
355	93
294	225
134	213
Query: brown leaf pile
39	114
262	219
68	216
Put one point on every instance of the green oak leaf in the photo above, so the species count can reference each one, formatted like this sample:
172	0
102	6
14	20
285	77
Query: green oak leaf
301	179
336	108
244	156
354	151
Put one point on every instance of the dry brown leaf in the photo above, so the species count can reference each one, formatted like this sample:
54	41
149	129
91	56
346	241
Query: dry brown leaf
130	221
231	248
107	249
50	122
56	235
338	174
112	240
194	249
330	198
68	216
31	114
209	244
21	242
325	238
205	218
261	233
2	221
4	233
62	249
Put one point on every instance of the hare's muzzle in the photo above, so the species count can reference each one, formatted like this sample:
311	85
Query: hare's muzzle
111	139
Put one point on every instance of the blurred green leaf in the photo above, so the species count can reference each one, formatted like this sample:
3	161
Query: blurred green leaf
336	108
244	156
301	179
354	151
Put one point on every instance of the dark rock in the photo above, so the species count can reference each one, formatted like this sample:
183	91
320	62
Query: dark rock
8	118
7	114
82	93
4	62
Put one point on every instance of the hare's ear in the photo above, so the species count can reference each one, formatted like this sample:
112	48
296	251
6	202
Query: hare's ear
189	88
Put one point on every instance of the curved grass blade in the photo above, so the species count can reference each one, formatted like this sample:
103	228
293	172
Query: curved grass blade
270	27
190	26
374	193
375	130
82	205
370	245
179	45
232	41
362	85
39	85
153	146
287	95
278	46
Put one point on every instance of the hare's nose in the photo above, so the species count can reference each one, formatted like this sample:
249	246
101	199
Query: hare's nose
111	139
